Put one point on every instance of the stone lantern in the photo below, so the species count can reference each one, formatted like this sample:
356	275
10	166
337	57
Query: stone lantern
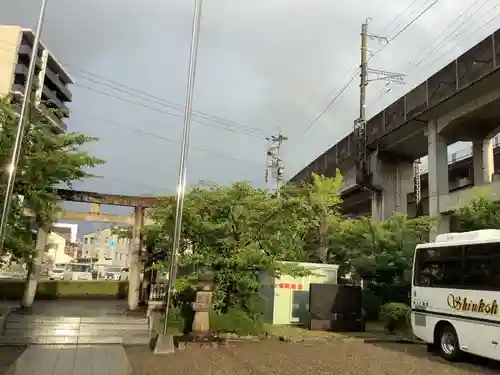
202	306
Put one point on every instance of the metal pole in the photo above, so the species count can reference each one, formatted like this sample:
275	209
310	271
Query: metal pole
18	143
278	166
181	185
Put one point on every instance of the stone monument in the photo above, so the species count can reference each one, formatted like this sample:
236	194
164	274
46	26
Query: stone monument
200	328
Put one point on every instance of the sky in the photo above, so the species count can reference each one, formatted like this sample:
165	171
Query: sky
263	66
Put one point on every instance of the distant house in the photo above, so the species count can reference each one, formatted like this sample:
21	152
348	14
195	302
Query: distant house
55	251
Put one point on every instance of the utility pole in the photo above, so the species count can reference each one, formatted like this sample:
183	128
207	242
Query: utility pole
362	165
417	186
274	163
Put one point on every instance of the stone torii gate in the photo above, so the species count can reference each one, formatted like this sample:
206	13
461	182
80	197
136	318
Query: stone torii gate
137	221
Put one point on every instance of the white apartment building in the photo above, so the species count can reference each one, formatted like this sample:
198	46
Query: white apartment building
106	248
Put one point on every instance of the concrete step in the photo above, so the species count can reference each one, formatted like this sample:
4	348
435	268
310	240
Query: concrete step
72	332
40	325
37	326
142	339
19	318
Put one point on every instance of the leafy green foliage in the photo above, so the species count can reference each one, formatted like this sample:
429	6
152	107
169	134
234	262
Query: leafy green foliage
480	213
319	212
395	316
382	250
371	305
235	321
236	232
47	161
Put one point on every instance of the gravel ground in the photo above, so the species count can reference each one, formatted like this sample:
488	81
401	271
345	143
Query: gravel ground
8	354
320	358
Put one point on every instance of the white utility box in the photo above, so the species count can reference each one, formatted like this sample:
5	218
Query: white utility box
287	298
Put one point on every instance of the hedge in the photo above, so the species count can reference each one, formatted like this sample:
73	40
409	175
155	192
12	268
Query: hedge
233	321
56	289
396	317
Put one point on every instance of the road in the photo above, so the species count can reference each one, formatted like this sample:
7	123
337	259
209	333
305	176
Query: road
318	358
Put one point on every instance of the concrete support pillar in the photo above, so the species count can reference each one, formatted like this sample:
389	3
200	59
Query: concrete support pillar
438	177
482	161
34	267
396	181
377	207
134	280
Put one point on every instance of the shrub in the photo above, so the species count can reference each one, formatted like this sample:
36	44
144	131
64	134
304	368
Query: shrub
176	320
371	305
394	315
235	321
393	292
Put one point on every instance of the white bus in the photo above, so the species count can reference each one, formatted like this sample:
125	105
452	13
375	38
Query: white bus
456	294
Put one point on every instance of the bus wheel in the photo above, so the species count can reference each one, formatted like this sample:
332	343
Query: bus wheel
449	346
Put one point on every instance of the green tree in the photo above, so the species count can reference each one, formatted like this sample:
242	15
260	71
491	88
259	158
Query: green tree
319	213
385	249
48	160
481	213
236	232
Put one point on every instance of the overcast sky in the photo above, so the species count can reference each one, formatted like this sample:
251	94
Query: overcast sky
262	64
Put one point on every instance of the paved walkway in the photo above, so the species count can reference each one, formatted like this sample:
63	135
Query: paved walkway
77	359
72	360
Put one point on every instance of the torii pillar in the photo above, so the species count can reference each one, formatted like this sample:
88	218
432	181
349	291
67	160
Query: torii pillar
134	281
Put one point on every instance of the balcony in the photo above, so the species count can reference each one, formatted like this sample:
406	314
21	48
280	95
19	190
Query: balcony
25	50
18	91
49	94
456	199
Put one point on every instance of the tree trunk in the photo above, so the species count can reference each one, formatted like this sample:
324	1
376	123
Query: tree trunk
322	250
34	267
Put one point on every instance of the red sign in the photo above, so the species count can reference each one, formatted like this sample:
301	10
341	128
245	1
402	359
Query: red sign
290	286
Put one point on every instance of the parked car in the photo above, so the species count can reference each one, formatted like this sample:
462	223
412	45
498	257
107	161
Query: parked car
78	271
116	273
56	273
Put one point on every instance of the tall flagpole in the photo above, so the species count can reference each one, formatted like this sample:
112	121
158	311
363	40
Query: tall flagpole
181	185
18	143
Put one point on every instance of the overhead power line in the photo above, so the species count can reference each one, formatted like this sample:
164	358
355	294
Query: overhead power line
408	25
452	36
226	124
165	103
414	66
163	138
467	36
398	16
349	82
160	110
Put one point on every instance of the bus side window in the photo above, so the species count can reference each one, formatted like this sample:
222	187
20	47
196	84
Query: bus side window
439	267
482	266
